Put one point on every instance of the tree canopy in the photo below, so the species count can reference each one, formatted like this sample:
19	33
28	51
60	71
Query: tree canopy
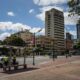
74	6
1	42
77	46
14	41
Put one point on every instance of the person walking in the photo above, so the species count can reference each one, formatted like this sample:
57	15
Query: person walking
14	60
5	61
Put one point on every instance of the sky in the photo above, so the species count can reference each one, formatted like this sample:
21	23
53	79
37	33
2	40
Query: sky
17	15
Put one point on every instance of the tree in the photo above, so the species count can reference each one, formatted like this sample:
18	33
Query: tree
74	6
14	41
1	42
78	45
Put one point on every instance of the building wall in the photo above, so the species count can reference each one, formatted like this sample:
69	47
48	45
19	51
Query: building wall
68	36
54	26
25	35
45	42
78	31
69	44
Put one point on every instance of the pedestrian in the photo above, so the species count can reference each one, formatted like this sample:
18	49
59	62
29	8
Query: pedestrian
67	53
14	60
53	56
5	61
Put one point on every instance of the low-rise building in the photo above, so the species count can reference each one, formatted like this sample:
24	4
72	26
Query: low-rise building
46	43
69	44
25	35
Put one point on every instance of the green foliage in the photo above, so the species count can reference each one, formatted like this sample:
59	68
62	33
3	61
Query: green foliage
1	42
14	41
4	50
77	46
26	51
74	6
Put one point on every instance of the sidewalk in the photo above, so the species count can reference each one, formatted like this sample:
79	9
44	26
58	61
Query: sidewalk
59	69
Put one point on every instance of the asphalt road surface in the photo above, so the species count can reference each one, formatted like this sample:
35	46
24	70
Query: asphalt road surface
38	60
60	69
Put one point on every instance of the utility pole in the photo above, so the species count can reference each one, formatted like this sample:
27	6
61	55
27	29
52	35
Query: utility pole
34	50
34	43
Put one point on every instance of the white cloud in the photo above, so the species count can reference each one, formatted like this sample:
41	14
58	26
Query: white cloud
10	14
31	10
4	35
41	15
35	29
48	2
74	34
42	31
70	20
15	27
46	5
46	8
67	19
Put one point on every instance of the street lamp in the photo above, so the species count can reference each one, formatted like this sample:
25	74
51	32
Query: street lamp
35	45
67	50
54	55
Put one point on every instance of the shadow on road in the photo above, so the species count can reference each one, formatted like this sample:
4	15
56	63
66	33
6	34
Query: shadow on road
19	70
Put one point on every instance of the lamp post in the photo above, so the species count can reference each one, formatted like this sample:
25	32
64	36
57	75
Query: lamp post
34	43
34	50
67	50
53	55
53	50
10	56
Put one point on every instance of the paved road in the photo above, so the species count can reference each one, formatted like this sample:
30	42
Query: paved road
38	59
29	60
46	70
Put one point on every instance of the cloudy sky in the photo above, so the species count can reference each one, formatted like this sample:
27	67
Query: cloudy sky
17	15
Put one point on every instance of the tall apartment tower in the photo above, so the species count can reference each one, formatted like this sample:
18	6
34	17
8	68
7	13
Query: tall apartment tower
54	27
78	30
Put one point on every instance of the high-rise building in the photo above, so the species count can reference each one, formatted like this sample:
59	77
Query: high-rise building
54	27
68	36
69	41
78	30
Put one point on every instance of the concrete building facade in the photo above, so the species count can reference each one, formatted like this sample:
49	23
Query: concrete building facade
25	35
68	36
54	27
47	43
78	30
69	41
44	42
